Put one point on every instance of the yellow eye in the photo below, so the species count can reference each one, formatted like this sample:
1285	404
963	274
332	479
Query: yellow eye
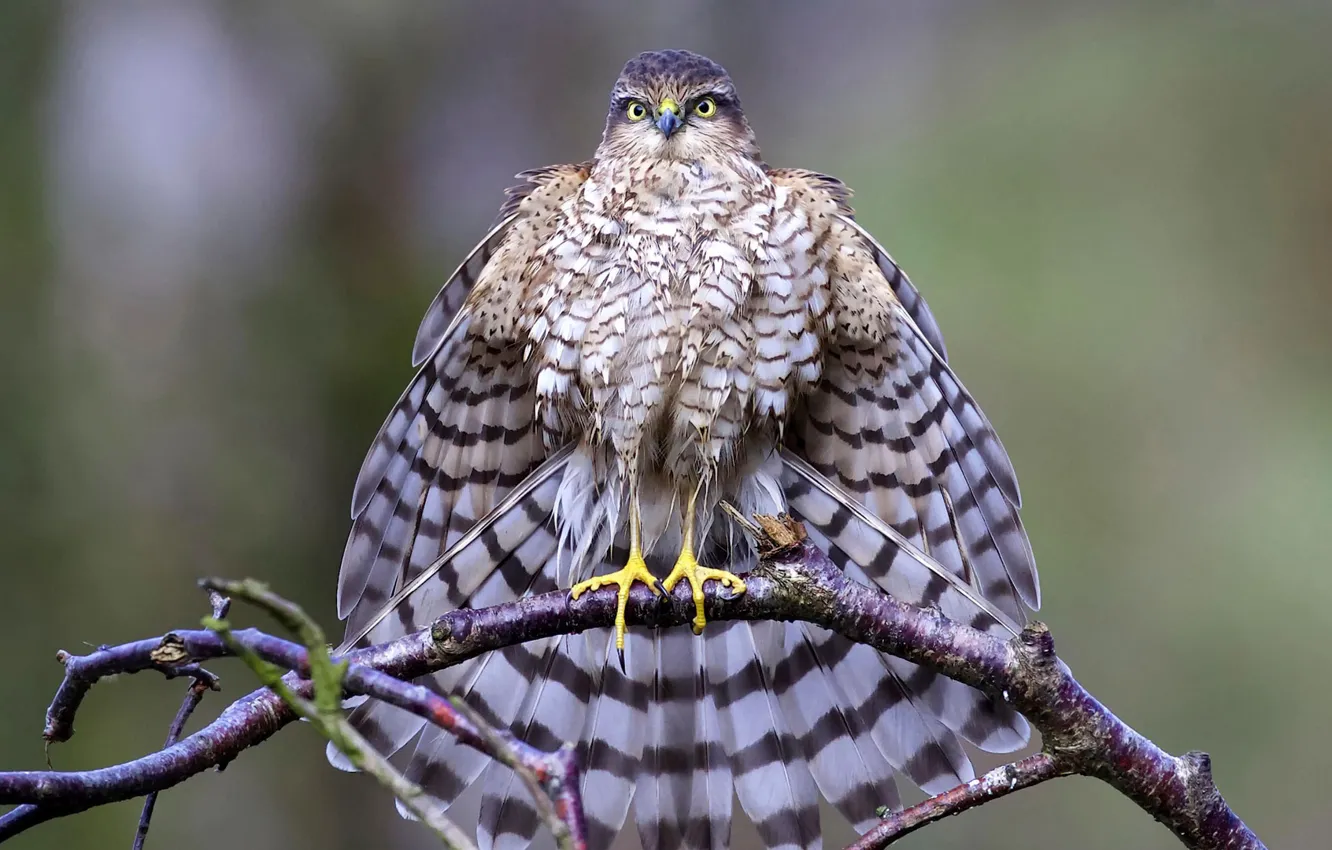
636	111
705	108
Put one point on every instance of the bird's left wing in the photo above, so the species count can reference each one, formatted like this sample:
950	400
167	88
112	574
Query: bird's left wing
900	479
830	198
893	432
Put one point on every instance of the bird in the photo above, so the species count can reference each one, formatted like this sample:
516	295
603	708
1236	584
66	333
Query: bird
644	341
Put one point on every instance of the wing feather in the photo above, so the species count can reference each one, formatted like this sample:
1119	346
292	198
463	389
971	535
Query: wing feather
831	198
892	434
461	435
527	209
887	557
893	466
453	503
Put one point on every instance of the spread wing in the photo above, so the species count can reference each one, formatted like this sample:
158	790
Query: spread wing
891	434
526	218
460	438
898	476
830	198
453	507
452	504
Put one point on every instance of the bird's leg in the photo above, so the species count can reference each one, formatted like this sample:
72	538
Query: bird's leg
688	568
634	570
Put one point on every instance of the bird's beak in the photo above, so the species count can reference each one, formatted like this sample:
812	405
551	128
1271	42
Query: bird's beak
668	117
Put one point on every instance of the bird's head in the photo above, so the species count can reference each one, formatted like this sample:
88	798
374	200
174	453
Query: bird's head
676	105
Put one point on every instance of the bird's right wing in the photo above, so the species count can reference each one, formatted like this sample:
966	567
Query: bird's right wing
527	217
461	437
453	508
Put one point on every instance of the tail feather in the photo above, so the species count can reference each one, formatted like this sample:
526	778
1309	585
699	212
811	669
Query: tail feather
440	764
713	816
771	776
683	795
610	748
846	763
988	723
558	688
496	689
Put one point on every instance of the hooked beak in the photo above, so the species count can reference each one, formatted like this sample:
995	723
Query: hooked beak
668	117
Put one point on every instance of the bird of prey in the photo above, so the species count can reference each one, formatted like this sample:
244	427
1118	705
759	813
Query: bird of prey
670	326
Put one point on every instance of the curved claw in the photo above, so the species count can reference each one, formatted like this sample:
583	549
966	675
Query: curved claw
688	569
635	570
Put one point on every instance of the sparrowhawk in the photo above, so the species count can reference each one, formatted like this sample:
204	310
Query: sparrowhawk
673	325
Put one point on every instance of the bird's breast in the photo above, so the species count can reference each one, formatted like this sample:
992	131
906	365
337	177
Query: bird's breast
684	330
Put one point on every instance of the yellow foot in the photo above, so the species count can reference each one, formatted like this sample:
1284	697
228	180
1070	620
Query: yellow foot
687	568
635	570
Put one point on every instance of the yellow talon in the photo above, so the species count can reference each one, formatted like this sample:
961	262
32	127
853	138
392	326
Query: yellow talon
635	570
687	568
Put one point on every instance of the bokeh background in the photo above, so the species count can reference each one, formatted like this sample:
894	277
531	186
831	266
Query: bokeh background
220	223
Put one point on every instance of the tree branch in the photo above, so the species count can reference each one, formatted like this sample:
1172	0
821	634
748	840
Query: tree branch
324	711
795	582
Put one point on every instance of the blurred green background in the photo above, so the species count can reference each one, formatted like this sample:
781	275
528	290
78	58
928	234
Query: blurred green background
220	223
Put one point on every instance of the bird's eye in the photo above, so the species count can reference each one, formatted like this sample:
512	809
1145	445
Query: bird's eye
705	108
636	111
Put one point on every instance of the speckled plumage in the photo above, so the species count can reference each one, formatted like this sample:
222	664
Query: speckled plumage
674	317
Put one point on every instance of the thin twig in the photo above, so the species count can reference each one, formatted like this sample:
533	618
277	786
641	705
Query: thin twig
999	782
82	671
552	778
220	605
549	777
28	815
192	697
357	749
